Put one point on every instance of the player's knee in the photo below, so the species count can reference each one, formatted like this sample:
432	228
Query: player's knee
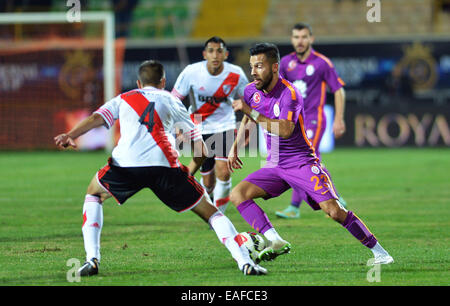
237	196
95	189
222	171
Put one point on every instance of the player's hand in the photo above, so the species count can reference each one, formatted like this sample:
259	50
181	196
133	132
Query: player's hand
64	140
338	128
234	162
239	105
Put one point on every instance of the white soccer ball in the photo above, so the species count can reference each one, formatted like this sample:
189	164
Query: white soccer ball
254	243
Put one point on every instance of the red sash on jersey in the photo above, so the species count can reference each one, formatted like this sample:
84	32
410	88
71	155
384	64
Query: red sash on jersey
208	109
138	102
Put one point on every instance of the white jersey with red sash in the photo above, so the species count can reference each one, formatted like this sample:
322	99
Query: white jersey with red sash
213	95
148	117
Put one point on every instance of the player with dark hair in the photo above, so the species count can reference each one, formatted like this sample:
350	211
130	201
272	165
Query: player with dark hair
145	158
312	73
277	106
215	83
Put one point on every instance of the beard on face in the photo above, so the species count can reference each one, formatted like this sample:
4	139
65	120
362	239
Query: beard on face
303	53
265	82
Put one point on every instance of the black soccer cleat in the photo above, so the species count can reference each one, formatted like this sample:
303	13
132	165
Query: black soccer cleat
89	268
248	269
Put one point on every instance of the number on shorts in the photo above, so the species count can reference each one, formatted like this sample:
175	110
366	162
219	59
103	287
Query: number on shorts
150	109
319	186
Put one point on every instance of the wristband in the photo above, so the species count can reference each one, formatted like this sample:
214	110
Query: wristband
254	114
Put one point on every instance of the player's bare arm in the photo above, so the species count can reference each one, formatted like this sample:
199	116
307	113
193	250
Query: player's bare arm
200	152
68	139
234	162
339	122
282	128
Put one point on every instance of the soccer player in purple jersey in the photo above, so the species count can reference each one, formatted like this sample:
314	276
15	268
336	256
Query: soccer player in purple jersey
312	72
277	106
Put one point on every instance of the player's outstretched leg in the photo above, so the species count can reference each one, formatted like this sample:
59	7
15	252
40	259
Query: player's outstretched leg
223	185
92	227
227	234
242	196
358	230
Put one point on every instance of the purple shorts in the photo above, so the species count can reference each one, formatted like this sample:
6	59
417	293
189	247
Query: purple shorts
309	179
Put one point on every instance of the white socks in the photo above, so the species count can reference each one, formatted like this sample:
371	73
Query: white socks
222	194
226	233
271	235
92	226
378	250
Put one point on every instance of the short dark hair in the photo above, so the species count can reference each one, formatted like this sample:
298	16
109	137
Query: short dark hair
269	49
150	72
302	25
216	39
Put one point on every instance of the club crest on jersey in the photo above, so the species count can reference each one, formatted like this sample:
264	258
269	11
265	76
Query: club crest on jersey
226	89
310	70
315	170
256	97
276	109
292	64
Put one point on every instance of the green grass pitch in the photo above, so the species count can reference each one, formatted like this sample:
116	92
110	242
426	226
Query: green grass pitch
403	196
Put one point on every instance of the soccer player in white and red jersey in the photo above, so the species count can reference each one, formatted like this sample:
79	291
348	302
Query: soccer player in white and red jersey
312	73
214	83
145	158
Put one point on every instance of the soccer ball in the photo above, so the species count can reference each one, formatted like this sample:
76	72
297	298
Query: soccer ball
254	243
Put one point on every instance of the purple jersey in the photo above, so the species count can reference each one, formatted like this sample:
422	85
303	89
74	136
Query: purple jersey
282	102
312	77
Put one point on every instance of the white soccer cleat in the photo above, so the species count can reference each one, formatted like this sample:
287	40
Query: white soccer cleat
275	249
383	260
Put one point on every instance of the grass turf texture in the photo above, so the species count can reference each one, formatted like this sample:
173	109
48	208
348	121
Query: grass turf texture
402	195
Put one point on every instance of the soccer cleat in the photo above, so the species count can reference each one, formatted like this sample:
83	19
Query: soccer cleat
248	269
275	249
89	268
383	260
291	212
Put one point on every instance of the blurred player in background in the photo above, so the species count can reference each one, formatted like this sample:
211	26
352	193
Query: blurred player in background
278	107
214	83
312	72
145	158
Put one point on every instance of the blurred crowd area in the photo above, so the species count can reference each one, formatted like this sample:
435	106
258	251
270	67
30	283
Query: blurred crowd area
389	60
143	19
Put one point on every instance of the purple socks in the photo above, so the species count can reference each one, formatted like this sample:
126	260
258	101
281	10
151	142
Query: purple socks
359	230
254	216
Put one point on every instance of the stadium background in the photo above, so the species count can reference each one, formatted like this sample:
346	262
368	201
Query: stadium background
397	71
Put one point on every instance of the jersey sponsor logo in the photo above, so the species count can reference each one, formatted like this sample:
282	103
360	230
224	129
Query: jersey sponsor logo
212	99
301	86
